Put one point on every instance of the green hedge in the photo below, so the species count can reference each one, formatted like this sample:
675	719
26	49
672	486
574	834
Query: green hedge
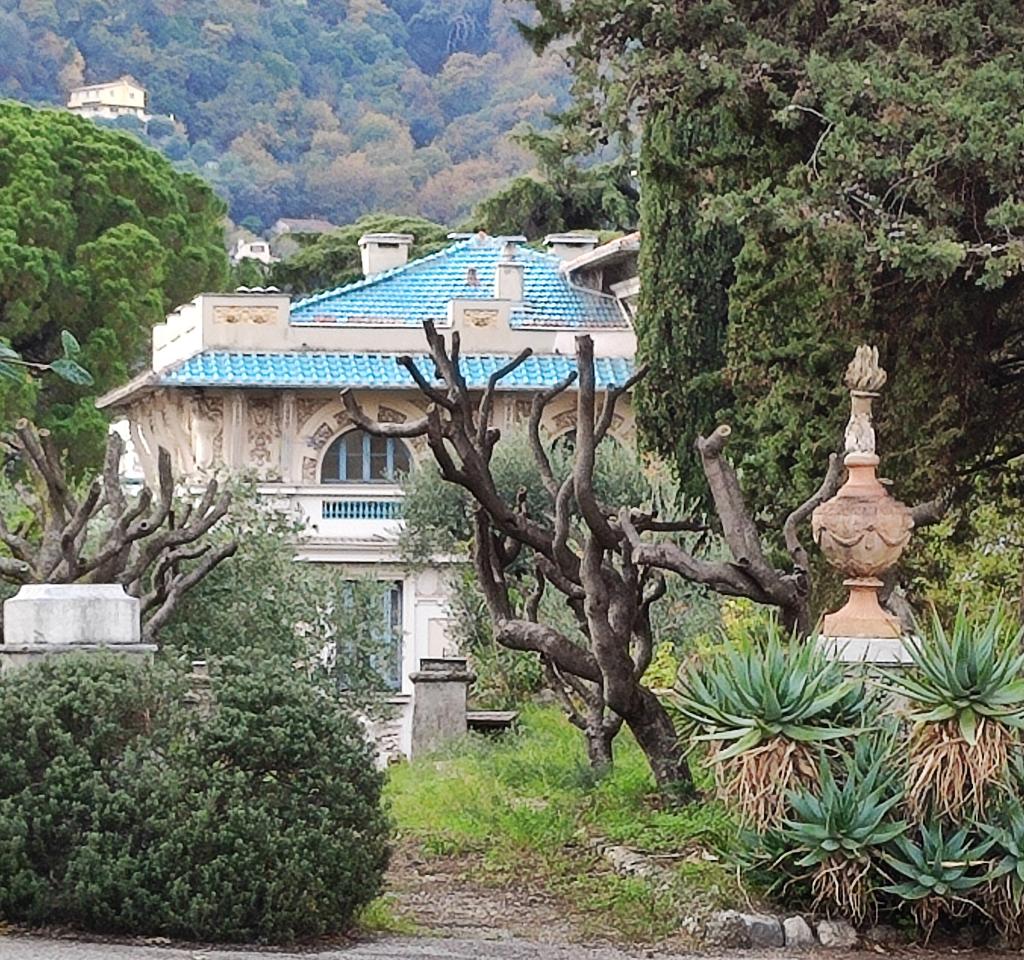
122	810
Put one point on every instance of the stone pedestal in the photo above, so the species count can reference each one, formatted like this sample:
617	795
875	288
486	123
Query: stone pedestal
440	689
45	619
884	651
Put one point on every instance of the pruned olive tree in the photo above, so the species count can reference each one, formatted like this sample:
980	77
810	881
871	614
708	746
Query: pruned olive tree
606	560
154	545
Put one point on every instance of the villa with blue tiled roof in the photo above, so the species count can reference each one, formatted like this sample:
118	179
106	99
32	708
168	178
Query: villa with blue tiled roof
250	383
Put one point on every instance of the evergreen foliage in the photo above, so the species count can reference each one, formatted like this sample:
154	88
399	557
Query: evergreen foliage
564	194
99	237
265	605
125	811
848	172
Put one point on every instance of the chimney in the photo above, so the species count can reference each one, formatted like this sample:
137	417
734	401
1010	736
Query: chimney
508	277
568	246
384	251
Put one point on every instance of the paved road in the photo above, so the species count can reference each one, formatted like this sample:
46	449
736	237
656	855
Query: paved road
390	948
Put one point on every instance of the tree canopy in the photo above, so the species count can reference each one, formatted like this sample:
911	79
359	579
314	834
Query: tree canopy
100	237
333	259
563	193
306	108
816	175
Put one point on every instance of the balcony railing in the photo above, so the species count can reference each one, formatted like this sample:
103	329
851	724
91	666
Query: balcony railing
359	511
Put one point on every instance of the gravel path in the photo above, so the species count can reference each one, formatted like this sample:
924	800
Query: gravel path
388	948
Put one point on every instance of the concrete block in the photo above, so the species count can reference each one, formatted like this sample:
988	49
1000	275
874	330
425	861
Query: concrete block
440	689
72	613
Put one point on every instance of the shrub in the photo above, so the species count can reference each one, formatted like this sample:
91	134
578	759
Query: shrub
64	724
839	830
767	703
967	702
936	869
259	821
925	814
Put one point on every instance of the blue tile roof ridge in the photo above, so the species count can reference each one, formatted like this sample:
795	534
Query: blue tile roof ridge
419	261
425	288
377	277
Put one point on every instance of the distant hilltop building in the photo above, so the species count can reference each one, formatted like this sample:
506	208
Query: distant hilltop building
253	250
125	97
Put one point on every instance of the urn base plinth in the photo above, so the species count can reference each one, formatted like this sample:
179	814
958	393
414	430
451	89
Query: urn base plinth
862	616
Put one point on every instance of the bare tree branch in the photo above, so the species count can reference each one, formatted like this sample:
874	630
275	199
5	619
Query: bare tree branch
181	585
487	400
540	403
826	491
154	551
414	428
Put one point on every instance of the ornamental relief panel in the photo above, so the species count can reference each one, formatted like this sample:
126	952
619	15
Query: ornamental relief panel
390	415
264	429
327	429
305	407
244	315
317	440
208	431
309	470
518	412
480	318
563	421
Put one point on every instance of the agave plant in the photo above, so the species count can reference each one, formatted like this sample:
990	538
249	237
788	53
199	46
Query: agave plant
966	694
1006	878
939	871
838	832
767	704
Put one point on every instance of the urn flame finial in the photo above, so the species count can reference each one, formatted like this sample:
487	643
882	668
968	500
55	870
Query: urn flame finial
864	373
862	530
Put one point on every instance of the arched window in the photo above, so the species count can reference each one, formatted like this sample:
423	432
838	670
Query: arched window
358	457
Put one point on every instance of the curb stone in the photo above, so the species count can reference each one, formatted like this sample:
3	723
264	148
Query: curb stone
730	929
798	932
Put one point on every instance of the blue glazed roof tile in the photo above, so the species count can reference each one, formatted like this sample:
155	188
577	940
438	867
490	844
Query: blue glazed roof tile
421	290
223	368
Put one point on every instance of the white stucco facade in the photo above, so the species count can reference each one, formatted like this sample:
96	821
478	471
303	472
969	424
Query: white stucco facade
238	385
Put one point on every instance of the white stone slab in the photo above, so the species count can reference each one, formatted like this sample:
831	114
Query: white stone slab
48	614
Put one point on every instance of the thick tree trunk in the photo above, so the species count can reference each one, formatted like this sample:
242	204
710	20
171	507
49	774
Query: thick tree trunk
599	745
656	736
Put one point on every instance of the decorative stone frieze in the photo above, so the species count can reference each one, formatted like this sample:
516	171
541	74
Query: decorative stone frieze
479	317
233	313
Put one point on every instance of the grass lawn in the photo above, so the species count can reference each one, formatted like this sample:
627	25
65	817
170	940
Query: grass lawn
525	804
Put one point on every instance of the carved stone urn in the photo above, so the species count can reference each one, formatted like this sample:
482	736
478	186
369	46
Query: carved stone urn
862	530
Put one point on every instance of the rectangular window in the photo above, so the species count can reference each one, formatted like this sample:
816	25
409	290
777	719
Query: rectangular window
368	635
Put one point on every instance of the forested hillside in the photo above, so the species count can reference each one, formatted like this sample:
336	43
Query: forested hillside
331	108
